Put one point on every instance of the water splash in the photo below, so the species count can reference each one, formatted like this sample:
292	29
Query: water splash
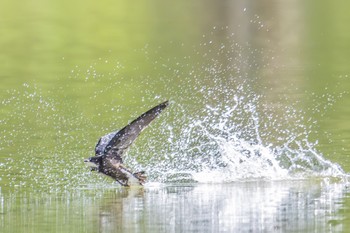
220	127
228	124
237	140
234	140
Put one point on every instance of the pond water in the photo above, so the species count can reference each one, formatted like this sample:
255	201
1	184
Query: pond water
256	137
236	207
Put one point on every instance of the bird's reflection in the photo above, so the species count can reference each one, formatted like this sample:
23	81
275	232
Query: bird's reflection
116	210
239	207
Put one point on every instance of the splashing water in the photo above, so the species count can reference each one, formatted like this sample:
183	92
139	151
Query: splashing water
228	126
233	142
223	142
217	129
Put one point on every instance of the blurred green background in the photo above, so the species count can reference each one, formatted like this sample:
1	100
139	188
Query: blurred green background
74	68
71	71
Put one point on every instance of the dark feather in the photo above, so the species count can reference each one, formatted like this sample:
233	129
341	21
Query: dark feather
103	142
111	147
121	140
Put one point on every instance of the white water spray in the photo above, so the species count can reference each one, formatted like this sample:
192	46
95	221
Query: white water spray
226	144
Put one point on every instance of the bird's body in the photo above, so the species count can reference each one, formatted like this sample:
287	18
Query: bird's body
110	148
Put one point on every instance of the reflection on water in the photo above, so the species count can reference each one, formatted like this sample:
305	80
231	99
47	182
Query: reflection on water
259	206
251	82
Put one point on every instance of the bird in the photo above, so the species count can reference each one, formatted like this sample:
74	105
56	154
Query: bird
111	147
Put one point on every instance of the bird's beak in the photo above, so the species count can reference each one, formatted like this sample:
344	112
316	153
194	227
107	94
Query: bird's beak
89	162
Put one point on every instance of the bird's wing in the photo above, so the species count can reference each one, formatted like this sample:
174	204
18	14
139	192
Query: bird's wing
103	142
120	142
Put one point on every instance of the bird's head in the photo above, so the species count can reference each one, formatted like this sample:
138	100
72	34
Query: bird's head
94	162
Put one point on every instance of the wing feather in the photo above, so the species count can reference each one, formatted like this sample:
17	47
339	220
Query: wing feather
121	140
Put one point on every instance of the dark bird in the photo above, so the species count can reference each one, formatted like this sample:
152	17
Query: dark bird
110	148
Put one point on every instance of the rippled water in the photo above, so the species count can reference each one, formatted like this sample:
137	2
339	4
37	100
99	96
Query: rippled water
255	138
239	139
219	170
257	206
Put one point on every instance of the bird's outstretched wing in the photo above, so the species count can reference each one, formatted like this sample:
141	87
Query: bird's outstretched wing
103	142
118	142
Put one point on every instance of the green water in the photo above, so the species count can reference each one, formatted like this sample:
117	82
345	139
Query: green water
73	71
239	207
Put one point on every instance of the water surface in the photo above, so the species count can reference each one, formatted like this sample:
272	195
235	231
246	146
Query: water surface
256	138
296	206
